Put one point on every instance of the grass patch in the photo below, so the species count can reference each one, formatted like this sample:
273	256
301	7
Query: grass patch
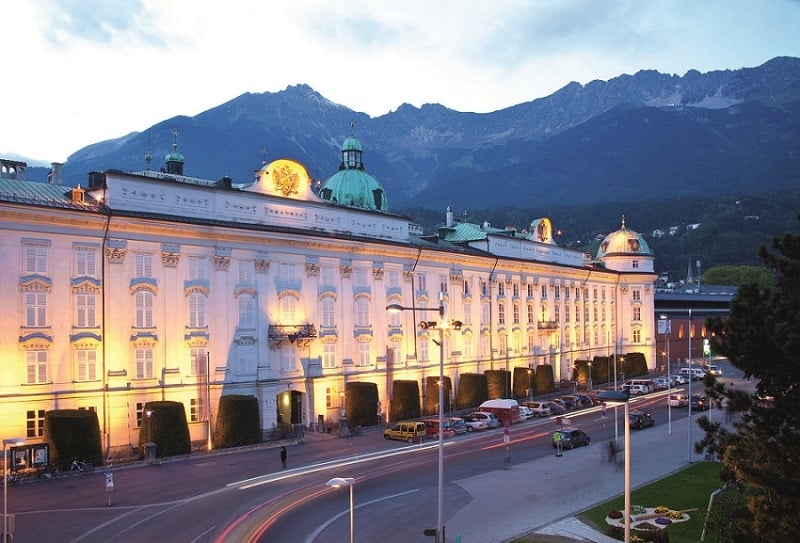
688	489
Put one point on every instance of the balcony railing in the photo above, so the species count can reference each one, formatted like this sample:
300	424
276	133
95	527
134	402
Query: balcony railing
301	334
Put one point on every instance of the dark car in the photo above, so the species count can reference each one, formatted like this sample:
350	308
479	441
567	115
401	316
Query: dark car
584	400
556	408
639	420
571	438
699	402
570	402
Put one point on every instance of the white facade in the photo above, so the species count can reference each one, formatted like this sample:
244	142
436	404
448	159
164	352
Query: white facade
164	287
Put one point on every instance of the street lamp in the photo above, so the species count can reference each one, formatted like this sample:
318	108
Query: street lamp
394	308
617	397
14	442
665	326
149	414
691	378
336	482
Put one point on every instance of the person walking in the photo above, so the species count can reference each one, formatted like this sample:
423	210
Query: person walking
557	438
283	457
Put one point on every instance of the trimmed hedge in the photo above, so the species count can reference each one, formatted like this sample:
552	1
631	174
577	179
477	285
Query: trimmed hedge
167	428
73	433
544	380
523	380
498	383
361	403
472	390
405	401
634	364
238	422
432	394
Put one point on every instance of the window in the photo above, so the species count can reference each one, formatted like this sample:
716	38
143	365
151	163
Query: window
515	291
557	313
35	257
530	290
328	312
364	354
85	365
393	279
247	271
197	410
556	293
247	359
531	313
360	277
637	313
197	268
362	311
467	348
485	313
286	272
485	346
636	294
144	309
501	289
139	413
577	294
246	305
288	310
421	283
330	395
484	288
637	336
85	262
516	313
443	284
289	359
467	313
501	313
197	310
34	422
544	292
327	276
36	362
635	264
86	310
35	309
144	363
466	288
144	265
328	355
424	349
197	361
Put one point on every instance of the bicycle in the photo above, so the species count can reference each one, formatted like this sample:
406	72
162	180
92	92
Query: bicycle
80	465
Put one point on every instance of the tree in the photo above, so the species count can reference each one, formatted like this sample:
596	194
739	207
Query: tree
761	336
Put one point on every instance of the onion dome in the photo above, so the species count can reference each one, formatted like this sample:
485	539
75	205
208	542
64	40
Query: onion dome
352	185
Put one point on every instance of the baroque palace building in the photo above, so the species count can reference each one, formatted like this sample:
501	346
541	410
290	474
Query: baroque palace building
153	285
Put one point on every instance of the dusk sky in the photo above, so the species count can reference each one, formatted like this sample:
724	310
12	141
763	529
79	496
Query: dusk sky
77	72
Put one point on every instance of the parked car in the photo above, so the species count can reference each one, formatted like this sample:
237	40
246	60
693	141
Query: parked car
660	383
458	424
714	370
694	373
525	412
560	403
555	408
432	428
699	402
539	409
584	400
405	431
474	424
490	418
677	380
571	438
639	420
641	384
636	390
678	400
570	402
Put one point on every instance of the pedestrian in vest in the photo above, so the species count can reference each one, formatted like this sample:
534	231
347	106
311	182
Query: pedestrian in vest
557	439
283	457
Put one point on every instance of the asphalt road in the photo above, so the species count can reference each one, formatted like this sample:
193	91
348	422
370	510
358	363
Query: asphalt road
246	496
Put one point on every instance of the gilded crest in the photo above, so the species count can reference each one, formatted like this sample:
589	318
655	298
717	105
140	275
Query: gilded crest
286	179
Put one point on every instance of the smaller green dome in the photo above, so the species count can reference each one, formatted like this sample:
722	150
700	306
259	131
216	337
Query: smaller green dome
174	155
351	144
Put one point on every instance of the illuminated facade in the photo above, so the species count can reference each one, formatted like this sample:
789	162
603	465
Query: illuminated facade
157	286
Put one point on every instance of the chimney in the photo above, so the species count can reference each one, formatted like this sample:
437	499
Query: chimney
449	217
54	177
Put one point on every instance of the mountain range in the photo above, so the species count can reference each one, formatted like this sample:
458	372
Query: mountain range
642	137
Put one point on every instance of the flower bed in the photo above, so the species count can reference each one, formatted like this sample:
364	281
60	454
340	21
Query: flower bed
649	522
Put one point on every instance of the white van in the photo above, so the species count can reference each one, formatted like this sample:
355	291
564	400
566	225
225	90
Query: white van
638	386
693	373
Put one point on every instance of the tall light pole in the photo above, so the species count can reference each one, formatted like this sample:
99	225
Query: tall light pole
336	482
14	442
691	379
665	326
208	396
441	325
618	397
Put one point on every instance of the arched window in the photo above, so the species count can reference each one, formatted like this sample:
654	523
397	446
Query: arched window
197	310
328	312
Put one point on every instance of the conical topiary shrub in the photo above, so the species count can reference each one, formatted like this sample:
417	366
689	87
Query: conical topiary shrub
73	433
238	422
166	427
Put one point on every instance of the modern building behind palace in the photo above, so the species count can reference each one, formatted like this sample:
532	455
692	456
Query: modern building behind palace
153	285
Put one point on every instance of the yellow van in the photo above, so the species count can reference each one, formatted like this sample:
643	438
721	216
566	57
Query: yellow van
406	431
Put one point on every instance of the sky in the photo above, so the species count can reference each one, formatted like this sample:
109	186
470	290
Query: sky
77	72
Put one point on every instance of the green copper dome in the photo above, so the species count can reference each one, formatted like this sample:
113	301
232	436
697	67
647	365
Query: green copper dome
351	185
623	242
174	155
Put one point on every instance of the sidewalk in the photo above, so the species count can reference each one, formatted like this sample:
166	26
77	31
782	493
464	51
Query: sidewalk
544	495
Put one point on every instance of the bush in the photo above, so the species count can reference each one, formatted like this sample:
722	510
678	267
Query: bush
361	403
405	400
498	383
544	381
432	395
73	433
238	422
166	427
472	390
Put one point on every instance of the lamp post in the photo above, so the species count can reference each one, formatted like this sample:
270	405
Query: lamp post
691	379
394	308
336	482
14	442
623	397
149	414
665	326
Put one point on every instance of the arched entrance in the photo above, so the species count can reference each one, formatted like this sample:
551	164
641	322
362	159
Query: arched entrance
290	407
